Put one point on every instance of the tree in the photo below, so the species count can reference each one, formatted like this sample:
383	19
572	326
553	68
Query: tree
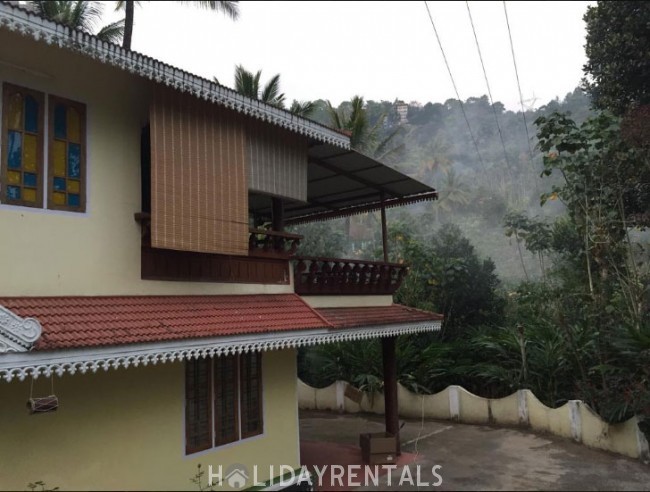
229	8
535	234
80	15
600	177
443	269
454	193
618	53
353	118
247	83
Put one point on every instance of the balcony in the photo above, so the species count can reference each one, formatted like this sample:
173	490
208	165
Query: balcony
266	263
332	276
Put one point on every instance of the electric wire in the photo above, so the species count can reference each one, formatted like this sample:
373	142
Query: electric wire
453	82
521	98
487	83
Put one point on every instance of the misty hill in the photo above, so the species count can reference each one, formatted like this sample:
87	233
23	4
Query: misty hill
476	189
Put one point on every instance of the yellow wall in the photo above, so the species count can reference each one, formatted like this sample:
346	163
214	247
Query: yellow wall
348	301
97	253
124	430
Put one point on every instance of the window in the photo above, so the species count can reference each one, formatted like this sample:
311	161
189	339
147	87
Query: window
23	174
223	400
22	144
67	155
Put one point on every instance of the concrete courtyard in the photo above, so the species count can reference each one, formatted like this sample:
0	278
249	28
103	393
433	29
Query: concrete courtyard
472	457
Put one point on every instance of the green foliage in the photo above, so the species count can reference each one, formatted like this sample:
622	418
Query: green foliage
249	84
229	8
442	269
324	239
353	117
197	480
41	486
582	331
81	15
600	188
618	53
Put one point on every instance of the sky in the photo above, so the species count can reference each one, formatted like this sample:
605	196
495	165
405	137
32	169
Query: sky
380	50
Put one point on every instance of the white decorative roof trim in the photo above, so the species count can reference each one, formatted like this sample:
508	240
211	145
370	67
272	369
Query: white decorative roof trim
29	24
17	334
34	364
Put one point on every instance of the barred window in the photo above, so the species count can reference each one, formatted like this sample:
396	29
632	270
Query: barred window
223	401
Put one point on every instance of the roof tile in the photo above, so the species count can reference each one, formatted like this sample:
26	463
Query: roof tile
74	322
379	315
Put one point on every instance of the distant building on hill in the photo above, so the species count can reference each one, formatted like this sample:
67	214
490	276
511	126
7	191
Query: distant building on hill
402	110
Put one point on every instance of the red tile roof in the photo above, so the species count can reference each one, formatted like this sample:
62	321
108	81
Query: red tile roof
383	315
73	322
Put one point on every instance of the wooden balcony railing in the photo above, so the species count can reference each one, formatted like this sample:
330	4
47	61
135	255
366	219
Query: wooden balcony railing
332	276
266	262
261	242
274	244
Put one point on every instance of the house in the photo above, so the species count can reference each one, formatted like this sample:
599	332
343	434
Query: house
146	316
402	111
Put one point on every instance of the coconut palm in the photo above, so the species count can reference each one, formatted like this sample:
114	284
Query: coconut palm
80	15
352	118
302	108
453	194
248	84
227	7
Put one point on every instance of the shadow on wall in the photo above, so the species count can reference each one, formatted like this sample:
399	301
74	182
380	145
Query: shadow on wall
574	420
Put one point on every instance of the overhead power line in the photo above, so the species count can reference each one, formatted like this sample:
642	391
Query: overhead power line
521	97
487	83
453	82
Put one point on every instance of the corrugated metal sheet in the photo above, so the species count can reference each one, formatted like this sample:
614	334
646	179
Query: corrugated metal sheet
277	161
345	182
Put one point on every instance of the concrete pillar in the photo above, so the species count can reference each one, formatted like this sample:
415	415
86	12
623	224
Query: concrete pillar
454	403
522	407
575	420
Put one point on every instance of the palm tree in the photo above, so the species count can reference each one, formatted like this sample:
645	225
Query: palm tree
302	108
352	118
247	83
453	193
80	15
229	7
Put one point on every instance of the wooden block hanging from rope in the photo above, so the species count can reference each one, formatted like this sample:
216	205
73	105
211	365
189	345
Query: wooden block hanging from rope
43	405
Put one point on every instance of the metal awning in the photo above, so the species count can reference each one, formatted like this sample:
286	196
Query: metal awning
346	182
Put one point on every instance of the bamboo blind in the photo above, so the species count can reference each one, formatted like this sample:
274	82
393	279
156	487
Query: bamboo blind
277	161
199	189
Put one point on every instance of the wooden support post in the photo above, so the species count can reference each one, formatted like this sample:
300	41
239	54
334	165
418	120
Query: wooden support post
384	230
278	214
390	389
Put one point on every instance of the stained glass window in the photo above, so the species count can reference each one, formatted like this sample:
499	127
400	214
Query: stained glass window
67	155
22	142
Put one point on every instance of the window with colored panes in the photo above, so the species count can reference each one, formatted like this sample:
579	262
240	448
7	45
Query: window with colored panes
22	147
67	156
